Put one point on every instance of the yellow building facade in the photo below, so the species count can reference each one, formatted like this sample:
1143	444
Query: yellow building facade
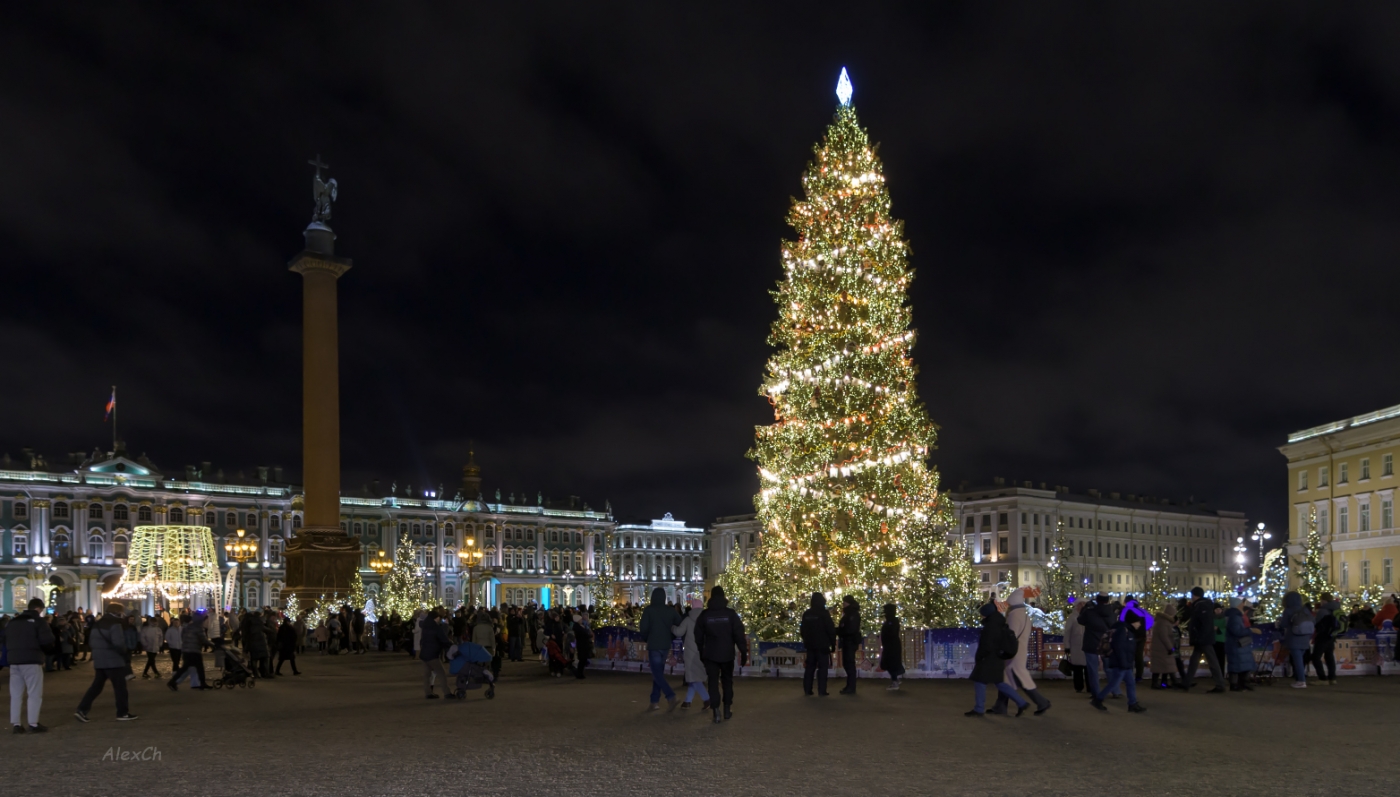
1345	470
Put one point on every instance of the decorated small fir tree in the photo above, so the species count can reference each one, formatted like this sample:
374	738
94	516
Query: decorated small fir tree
405	590
1273	585
1312	567
1060	585
605	611
848	504
357	596
1157	593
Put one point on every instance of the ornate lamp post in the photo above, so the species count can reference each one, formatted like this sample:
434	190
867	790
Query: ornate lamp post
1240	550
241	550
470	557
43	566
381	563
1260	536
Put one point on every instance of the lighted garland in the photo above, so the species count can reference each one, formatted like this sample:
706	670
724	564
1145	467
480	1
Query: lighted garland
605	599
847	502
404	589
1273	585
171	562
1312	567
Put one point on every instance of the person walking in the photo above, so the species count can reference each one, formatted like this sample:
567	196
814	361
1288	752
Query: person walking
173	642
851	641
255	645
1122	659
192	641
583	643
1325	639
26	638
1017	674
892	648
1074	643
150	638
432	642
995	646
657	622
1239	647
1164	648
1201	630
515	635
719	632
1297	626
819	642
695	668
1097	619
287	647
110	659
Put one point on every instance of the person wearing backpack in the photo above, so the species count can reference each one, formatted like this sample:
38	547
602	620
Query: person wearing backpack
1325	632
1121	661
1097	620
719	632
1017	674
995	646
1297	626
1201	628
819	642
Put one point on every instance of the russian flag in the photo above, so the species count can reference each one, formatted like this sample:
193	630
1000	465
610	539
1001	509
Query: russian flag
111	405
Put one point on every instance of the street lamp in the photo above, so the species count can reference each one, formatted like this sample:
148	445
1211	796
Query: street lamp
241	550
381	564
43	566
1260	536
1240	550
471	558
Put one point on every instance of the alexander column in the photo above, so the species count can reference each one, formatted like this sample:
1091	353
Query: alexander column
321	558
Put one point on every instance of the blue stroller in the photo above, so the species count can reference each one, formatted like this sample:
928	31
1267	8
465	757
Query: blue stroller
471	663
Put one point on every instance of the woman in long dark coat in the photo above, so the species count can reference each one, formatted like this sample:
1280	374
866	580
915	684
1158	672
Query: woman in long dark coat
892	647
989	667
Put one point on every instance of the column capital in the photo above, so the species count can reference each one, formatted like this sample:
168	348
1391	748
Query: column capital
312	261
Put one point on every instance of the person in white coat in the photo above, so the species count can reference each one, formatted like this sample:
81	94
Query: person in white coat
694	667
173	640
1017	674
151	638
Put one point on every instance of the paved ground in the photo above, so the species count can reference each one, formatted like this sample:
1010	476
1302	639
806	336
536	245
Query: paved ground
359	725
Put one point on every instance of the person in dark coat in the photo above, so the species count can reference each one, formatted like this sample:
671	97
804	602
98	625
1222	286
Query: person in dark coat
989	663
287	647
819	642
432	643
1201	631
851	641
892	647
1097	620
1325	639
111	656
255	644
719	632
657	621
1239	648
1122	661
583	644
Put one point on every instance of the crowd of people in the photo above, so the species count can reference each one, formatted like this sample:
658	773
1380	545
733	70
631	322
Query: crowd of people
1103	637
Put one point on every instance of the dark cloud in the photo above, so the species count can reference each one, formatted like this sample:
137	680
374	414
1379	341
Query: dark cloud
1150	240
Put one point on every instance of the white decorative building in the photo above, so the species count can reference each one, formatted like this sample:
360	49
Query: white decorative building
667	554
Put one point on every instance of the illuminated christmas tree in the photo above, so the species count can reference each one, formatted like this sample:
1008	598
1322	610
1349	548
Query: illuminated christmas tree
847	502
1312	567
603	595
1060	585
357	596
405	590
1273	585
1157	593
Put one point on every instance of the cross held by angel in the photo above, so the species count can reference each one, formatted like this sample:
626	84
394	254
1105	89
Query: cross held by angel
324	192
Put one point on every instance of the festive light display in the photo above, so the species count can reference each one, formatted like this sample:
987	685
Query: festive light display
170	562
405	588
847	502
1060	586
1158	592
1312	567
605	598
357	598
1273	585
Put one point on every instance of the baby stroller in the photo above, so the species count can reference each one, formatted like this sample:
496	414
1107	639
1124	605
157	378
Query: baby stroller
236	672
471	663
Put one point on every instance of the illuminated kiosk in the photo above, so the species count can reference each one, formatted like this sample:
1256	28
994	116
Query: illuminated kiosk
170	567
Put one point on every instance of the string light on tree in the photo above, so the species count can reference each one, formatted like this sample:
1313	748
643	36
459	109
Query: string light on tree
848	503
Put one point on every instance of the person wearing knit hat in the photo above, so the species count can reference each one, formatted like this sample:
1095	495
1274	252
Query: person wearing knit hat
1017	674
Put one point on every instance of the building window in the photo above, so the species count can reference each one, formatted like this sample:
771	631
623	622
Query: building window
987	546
1081	547
1025	542
417	529
21	509
143	514
1342	519
1035	543
1365	519
20	545
120	513
1003	545
96	548
1387	571
1365	469
1365	572
530	559
231	520
274	550
554	561
971	523
60	510
578	561
448	530
1322	521
1322	477
296	521
274	597
986	577
1346	575
1342	472
274	521
1302	480
119	548
177	515
1387	513
1388	465
94	511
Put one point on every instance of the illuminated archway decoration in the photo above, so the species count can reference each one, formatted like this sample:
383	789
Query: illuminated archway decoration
172	562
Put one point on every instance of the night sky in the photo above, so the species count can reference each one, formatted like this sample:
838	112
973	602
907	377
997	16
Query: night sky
1149	243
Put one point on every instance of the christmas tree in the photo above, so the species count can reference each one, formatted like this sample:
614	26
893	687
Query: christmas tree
1273	585
357	592
848	504
1157	594
404	590
1312	569
604	599
1060	587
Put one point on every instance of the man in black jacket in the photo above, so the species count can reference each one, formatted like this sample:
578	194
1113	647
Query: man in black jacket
432	643
1201	628
1097	621
26	639
819	640
718	632
851	641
